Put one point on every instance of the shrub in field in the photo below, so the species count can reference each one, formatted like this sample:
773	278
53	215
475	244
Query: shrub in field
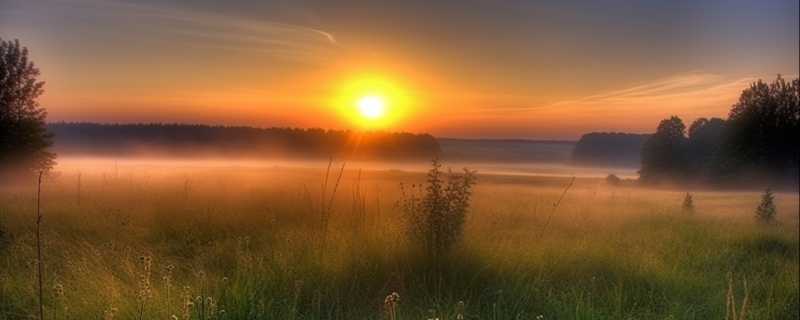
688	204
765	212
436	217
613	180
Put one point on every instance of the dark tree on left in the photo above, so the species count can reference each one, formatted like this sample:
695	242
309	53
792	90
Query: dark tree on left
23	134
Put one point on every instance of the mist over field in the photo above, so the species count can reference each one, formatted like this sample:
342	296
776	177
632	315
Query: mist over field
242	239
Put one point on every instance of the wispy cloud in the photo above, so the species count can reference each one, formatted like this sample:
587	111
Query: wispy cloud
684	91
695	91
205	29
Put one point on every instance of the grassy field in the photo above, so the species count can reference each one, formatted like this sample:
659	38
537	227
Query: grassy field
247	243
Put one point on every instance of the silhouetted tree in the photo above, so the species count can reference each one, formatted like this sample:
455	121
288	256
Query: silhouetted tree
765	212
688	204
757	144
664	153
706	137
764	126
23	136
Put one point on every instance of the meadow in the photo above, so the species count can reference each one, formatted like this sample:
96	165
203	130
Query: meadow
200	242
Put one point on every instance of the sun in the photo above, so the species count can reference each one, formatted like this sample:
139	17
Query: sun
372	102
372	107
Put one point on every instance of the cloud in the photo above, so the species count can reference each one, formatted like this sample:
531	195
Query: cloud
693	92
196	28
682	91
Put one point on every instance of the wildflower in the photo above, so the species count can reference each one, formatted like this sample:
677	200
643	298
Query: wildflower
212	306
433	314
59	290
390	305
144	278
187	304
110	313
460	306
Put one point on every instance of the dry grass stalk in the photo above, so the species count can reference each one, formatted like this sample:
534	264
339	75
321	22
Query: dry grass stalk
731	312
325	206
556	205
359	206
39	244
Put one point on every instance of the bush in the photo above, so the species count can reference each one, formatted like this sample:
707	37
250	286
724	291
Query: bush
613	180
765	212
688	204
436	216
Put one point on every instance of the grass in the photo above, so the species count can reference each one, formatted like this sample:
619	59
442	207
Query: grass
244	243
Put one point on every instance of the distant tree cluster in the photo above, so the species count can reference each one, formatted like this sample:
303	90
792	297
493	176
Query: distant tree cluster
609	149
758	141
23	136
203	140
613	180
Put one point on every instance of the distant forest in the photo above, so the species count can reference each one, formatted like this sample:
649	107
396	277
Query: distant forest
247	142
609	149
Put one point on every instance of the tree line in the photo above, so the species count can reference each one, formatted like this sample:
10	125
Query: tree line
757	144
236	141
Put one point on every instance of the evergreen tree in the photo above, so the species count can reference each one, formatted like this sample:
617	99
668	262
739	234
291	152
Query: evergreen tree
688	204
766	209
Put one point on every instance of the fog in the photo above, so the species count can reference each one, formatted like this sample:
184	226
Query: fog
545	169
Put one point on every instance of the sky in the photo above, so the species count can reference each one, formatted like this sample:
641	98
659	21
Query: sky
467	68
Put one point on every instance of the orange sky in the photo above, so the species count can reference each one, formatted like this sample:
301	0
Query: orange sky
461	69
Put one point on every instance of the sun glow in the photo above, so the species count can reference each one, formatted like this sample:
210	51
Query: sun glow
373	102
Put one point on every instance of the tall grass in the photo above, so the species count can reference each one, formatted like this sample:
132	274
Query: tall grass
731	311
245	246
